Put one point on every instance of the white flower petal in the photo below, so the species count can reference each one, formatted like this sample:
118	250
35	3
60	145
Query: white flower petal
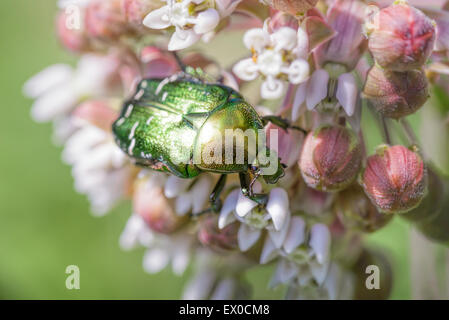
284	39
157	19
317	88
278	207
175	186
54	104
224	290
284	273
80	143
302	47
226	7
247	237
356	118
298	101
182	39
256	39
183	204
206	21
320	242
269	251
228	207
200	194
130	235
47	79
155	260
347	92
98	158
298	71
271	88
181	256
200	286
244	205
278	237
295	235
319	271
246	70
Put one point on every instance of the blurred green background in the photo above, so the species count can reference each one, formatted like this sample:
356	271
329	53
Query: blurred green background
45	226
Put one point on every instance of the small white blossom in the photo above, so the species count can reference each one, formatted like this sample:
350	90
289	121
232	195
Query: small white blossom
60	88
100	169
338	285
278	57
301	259
190	197
62	4
162	249
192	19
314	92
273	217
216	279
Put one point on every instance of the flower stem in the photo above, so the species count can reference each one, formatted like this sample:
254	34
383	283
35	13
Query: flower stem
411	136
385	130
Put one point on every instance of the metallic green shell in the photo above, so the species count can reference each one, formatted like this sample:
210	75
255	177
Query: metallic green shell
158	127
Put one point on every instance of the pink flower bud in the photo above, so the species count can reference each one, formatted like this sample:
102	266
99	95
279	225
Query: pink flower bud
396	94
432	202
105	19
281	19
155	209
73	39
294	7
401	38
136	10
157	63
215	238
331	158
395	179
355	210
97	112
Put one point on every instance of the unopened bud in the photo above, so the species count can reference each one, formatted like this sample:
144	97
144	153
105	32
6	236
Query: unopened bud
155	209
212	236
432	202
331	158
100	113
355	210
395	179
396	94
136	10
294	7
72	37
401	38
105	19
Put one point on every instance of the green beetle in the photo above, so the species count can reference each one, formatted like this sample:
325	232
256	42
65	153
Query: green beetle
171	122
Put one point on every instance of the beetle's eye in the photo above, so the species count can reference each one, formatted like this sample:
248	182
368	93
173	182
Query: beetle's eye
284	165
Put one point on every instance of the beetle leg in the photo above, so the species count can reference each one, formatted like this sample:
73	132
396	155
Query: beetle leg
281	122
181	64
247	190
214	198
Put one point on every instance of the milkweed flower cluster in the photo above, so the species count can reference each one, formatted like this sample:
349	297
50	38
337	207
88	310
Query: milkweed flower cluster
315	64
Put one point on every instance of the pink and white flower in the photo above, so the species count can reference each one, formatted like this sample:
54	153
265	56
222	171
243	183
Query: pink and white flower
274	217
304	252
278	57
192	19
58	89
